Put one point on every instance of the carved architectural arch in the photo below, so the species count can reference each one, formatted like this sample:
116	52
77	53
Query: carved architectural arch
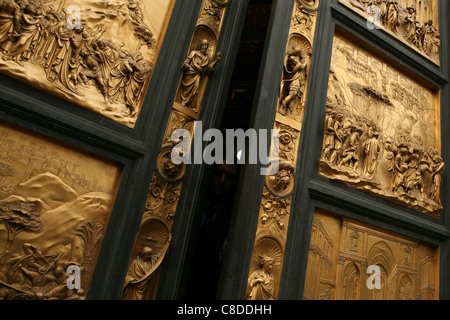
406	288
381	254
351	282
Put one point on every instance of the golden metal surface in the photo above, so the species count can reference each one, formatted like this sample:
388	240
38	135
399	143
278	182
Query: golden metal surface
413	22
341	251
382	129
99	55
55	203
267	256
141	282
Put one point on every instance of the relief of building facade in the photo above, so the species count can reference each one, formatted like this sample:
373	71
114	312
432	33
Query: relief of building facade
382	131
99	55
55	203
342	250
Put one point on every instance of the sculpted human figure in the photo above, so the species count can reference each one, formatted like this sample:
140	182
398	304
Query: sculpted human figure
10	11
283	178
392	15
371	149
429	32
400	167
330	120
295	77
413	175
349	155
139	275
338	139
195	68
92	70
261	281
437	169
26	37
411	26
134	92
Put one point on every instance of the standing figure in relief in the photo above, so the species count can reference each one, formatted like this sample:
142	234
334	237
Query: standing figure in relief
295	77
261	281
195	68
134	92
26	37
438	168
139	275
411	26
429	31
391	21
400	167
338	139
328	142
371	149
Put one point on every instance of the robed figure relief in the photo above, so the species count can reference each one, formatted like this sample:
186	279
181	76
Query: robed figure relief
139	274
261	282
196	67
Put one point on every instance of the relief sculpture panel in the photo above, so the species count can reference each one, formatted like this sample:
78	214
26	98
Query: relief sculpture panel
414	22
382	129
343	252
99	54
275	209
154	236
55	203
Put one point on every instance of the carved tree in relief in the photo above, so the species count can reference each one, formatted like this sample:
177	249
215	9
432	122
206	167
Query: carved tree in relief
19	216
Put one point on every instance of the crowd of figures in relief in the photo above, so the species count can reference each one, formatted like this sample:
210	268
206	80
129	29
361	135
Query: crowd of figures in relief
74	56
381	131
410	20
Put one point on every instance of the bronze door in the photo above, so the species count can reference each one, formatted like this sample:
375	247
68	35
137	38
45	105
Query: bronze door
90	98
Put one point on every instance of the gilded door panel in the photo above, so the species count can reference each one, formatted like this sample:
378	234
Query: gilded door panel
342	250
274	212
154	236
414	22
382	128
96	54
55	204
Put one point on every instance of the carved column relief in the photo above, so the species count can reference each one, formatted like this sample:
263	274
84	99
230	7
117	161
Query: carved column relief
277	195
154	236
55	203
382	130
414	22
99	55
336	271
